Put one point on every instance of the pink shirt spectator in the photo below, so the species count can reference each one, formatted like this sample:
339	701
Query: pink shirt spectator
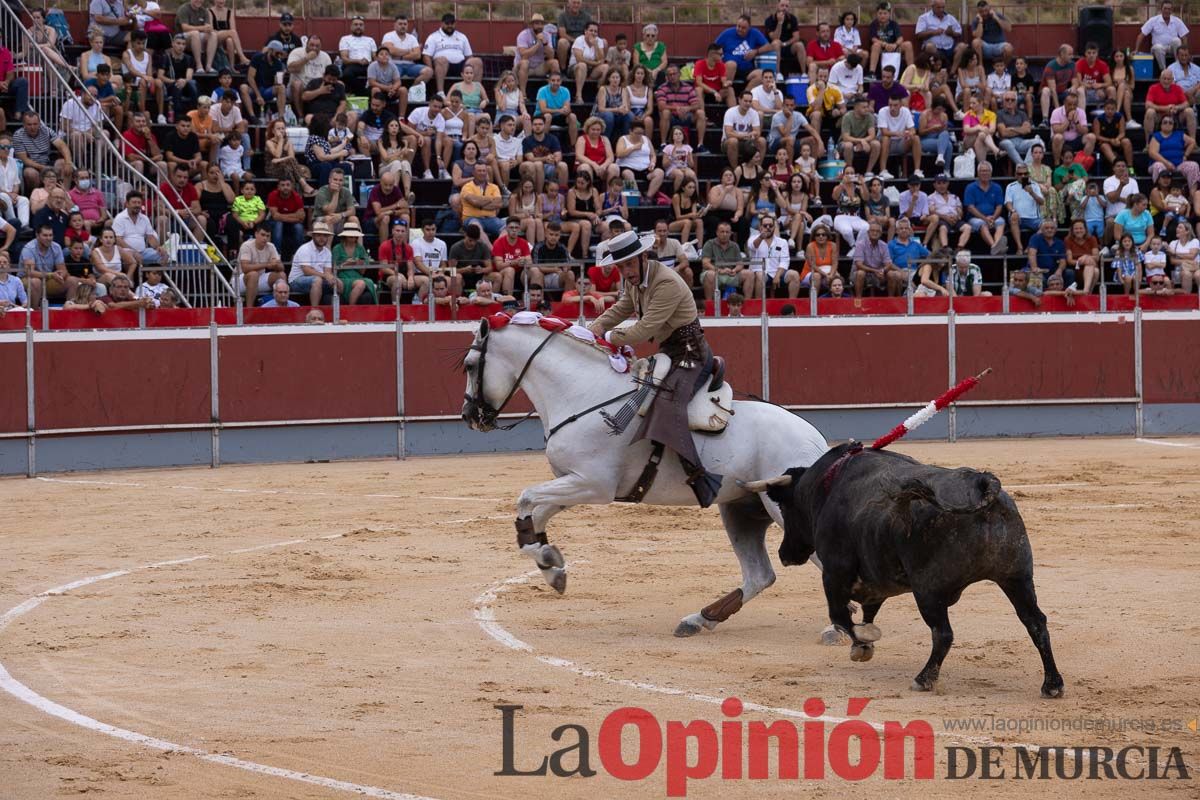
90	203
1059	115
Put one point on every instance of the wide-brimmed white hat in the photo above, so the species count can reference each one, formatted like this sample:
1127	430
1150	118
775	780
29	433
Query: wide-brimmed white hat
623	247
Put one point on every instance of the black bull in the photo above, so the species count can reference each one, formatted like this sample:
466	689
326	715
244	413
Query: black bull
883	525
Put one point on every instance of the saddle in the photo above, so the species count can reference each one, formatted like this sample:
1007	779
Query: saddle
709	409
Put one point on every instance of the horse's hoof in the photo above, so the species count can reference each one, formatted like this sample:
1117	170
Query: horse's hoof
551	556
685	629
557	578
867	632
862	652
1052	691
923	685
833	636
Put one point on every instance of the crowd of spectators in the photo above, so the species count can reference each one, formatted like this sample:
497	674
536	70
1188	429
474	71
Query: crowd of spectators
827	134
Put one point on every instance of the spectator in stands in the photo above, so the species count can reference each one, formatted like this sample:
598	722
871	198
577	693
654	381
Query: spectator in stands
484	295
914	203
312	266
109	260
1183	253
261	267
1166	32
979	129
1058	81
184	148
430	257
1094	78
225	35
859	134
934	131
554	107
470	260
1013	129
680	105
39	196
120	297
326	96
247	212
263	86
945	216
584	295
182	196
286	35
481	201
553	259
1136	221
140	147
910	255
1169	149
193	21
669	252
885	37
770	264
107	92
612	106
137	67
709	75
989	31
306	65
1047	254
511	260
334	204
583	203
883	90
847	76
1118	189
349	260
176	72
724	266
965	279
1083	254
93	57
1024	203
1185	73
635	159
824	100
822	52
846	34
112	20
323	158
385	202
32	145
938	32
280	294
421	131
898	137
384	79
285	208
280	158
405	50
740	46
873	267
687	212
1165	98
984	204
594	153
1069	126
446	51
650	53
356	51
397	270
535	52
572	23
619	57
788	125
12	290
43	267
11	84
742	132
587	59
542	155
13	203
79	120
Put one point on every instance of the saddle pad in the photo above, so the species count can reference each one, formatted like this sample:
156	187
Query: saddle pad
708	411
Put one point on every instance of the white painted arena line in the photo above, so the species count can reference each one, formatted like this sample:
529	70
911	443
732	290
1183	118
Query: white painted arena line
1165	443
485	616
23	693
292	492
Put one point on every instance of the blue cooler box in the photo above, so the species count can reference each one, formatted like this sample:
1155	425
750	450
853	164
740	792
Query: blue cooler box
1143	67
797	88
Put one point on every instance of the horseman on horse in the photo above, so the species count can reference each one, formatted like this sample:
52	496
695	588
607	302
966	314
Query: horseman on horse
666	313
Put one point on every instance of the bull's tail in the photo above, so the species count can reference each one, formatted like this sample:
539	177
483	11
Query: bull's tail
984	484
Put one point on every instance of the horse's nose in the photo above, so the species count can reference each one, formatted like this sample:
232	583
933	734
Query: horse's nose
468	411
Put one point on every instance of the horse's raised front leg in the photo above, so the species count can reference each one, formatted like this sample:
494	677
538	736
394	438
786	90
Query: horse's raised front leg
537	505
746	524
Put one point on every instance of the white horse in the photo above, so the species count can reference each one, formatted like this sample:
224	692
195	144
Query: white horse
565	378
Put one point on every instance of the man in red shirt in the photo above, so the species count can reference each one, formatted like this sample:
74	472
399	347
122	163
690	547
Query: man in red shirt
606	281
713	79
140	147
511	254
400	274
1091	74
182	196
1166	98
822	51
285	210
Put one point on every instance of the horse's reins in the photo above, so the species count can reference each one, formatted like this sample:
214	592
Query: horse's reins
492	414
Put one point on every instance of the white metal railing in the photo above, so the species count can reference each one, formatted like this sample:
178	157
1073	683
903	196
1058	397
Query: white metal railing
99	148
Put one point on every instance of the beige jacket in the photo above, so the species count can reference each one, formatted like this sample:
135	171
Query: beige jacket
662	302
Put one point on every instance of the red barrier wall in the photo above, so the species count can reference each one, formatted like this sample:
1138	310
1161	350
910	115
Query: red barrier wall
838	364
1047	361
13	389
1170	368
297	375
85	384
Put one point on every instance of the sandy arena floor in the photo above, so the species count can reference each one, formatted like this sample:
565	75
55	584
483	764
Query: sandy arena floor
333	629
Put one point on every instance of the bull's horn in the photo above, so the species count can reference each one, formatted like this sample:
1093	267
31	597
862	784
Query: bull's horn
762	486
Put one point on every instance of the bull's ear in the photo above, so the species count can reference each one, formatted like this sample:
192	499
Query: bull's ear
780	492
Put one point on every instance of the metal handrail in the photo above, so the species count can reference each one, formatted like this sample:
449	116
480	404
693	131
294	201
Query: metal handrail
94	149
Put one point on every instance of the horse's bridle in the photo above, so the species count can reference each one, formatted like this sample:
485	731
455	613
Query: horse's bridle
485	414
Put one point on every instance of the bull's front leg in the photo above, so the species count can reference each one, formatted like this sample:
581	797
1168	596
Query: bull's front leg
837	585
537	505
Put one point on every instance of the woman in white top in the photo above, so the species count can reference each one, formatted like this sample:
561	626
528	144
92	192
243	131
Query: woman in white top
678	160
456	121
640	97
635	158
848	37
110	260
509	101
1185	255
